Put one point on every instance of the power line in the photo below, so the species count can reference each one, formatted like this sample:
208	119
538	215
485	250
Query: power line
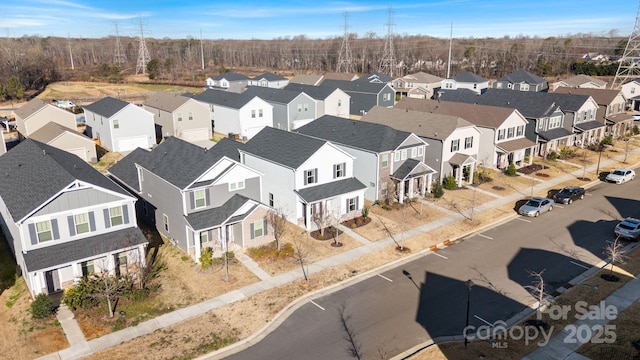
629	67
345	59
143	53
119	56
387	63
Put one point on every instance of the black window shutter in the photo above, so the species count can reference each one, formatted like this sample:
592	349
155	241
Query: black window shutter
306	178
33	234
54	229
92	221
192	201
357	202
335	170
125	213
107	219
207	200
315	175
72	225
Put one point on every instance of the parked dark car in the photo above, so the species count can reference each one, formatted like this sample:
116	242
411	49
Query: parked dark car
568	194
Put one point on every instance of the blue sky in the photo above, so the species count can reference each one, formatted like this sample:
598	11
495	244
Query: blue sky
268	19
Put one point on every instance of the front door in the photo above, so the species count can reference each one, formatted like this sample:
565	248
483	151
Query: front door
53	281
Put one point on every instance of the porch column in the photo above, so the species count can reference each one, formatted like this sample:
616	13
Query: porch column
198	246
458	171
401	193
532	151
423	185
429	182
411	188
472	170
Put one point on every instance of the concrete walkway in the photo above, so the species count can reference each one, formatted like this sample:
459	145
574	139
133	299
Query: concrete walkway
80	348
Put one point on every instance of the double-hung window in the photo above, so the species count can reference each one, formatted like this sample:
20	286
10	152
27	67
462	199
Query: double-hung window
43	230
310	176
339	170
455	145
115	215
81	223
199	197
468	142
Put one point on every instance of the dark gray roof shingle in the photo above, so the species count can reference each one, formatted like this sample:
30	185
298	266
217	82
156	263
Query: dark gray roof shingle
269	77
329	190
125	169
231	76
316	92
553	134
355	133
71	251
468	77
522	76
107	106
532	105
176	161
224	98
33	172
355	86
272	95
214	217
283	147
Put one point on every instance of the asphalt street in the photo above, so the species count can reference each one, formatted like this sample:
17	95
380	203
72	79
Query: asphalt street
384	315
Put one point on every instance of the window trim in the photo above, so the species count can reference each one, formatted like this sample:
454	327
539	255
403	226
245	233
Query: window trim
310	176
235	186
197	198
48	230
165	222
352	204
455	142
76	223
384	160
258	225
339	170
116	124
468	142
111	216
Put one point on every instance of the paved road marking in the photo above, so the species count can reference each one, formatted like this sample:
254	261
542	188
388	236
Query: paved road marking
558	206
485	236
321	308
442	256
521	219
483	320
575	263
386	278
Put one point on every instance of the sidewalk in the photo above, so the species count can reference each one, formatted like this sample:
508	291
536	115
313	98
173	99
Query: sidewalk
80	349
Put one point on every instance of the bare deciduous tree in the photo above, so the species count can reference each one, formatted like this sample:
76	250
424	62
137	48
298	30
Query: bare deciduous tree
278	221
615	252
302	253
538	290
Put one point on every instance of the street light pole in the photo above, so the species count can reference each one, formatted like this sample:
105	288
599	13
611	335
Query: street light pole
600	148
469	284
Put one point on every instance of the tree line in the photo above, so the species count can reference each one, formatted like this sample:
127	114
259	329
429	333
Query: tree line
33	61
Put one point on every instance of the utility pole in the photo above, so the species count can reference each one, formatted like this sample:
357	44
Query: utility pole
201	50
70	53
450	44
119	56
345	60
629	64
387	63
143	53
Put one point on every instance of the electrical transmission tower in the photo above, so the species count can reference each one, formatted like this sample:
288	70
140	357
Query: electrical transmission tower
143	53
119	56
387	63
629	66
345	60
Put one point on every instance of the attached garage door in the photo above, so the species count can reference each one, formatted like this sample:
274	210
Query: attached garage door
195	135
132	143
81	152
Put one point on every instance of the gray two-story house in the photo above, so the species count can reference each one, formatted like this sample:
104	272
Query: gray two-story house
197	197
521	80
389	161
364	95
179	115
64	220
291	108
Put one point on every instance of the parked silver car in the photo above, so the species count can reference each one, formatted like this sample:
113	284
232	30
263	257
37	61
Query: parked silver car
620	176
536	206
628	228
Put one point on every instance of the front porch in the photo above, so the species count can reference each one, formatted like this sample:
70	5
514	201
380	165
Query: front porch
464	166
515	152
412	179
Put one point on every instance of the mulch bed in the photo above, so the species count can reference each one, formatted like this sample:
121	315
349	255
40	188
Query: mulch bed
357	222
326	234
531	168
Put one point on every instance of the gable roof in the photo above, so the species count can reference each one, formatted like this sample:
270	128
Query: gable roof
433	126
177	161
375	77
167	101
340	76
272	95
581	79
355	133
230	76
532	105
31	107
329	190
107	106
480	115
468	77
283	147
269	77
421	76
316	92
52	130
34	172
224	98
306	79
522	76
601	96
213	217
355	86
